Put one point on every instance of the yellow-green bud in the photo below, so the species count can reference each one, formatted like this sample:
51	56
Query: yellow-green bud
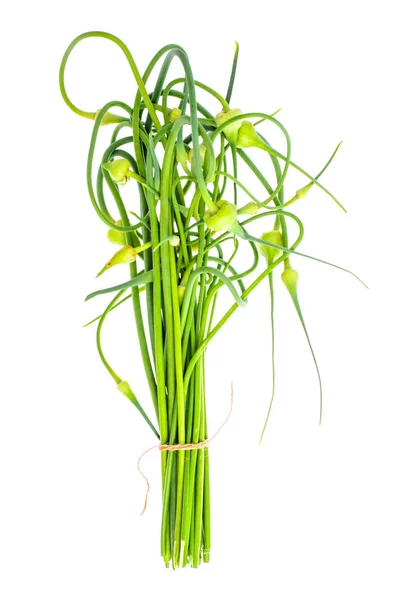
124	388
181	293
174	241
125	255
247	136
225	219
181	155
116	237
271	254
118	169
203	150
174	114
231	131
109	118
290	279
249	209
301	193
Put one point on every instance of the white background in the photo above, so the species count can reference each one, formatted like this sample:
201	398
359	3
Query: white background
312	512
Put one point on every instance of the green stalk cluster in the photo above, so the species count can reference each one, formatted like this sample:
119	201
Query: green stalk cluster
179	244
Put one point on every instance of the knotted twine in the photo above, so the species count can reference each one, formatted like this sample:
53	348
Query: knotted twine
176	447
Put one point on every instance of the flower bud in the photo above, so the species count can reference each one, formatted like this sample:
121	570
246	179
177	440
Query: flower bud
181	293
118	169
271	254
247	136
181	155
125	255
301	193
203	150
116	237
109	118
290	279
174	240
124	388
231	131
249	209
225	219
174	114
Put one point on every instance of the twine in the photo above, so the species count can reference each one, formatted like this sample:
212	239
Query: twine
176	447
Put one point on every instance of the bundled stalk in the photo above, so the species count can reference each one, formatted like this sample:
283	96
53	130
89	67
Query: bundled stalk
179	244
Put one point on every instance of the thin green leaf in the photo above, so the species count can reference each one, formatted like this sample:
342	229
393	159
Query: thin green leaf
136	281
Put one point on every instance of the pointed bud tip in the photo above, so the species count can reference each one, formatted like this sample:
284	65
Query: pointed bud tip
249	209
126	255
109	118
301	193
